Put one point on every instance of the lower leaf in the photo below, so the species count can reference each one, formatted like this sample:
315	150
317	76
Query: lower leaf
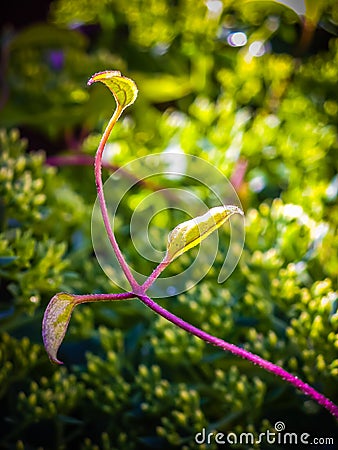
55	323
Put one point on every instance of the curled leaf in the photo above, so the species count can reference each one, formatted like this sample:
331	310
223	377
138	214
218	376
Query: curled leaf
124	89
55	323
190	233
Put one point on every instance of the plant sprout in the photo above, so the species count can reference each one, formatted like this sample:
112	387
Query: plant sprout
185	236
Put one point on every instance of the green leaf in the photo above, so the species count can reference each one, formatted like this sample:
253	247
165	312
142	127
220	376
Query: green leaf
124	89
55	323
189	234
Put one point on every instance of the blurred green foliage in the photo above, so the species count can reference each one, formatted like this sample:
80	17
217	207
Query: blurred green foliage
132	380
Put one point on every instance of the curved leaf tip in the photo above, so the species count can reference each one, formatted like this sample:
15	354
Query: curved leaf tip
106	74
55	323
192	232
124	89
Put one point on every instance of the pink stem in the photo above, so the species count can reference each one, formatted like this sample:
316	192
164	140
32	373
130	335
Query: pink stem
267	365
81	159
238	175
70	160
103	297
155	274
103	206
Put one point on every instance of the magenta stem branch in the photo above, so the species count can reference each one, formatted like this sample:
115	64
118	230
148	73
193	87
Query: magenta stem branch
100	194
155	274
267	365
81	159
103	297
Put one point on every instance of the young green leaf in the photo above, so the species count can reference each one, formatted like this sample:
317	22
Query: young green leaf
124	89
55	322
189	234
